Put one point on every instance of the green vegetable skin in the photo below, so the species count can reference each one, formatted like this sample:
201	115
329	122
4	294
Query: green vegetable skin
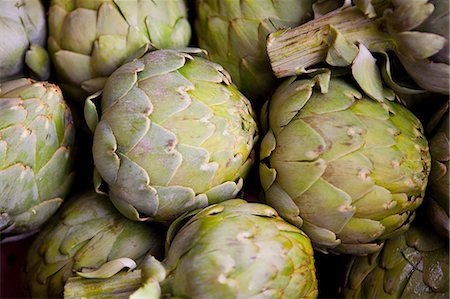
90	39
346	169
234	34
36	153
85	234
411	265
174	135
24	30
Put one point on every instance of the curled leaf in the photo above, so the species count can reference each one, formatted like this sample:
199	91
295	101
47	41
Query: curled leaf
110	268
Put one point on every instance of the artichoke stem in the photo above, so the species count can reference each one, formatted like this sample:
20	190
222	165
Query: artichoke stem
121	285
293	50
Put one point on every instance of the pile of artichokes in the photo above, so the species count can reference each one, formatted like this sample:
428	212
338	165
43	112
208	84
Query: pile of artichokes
222	148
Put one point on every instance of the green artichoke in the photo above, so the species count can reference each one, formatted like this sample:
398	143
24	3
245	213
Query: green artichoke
346	169
234	34
438	186
90	39
239	250
412	265
413	34
174	135
24	31
232	249
36	153
85	234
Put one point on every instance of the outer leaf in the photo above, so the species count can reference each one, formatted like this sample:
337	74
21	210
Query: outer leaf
109	269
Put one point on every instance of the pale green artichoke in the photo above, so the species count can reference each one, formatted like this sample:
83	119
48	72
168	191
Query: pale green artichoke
413	34
412	265
36	153
348	170
24	32
232	249
174	135
85	234
438	186
90	39
239	250
234	34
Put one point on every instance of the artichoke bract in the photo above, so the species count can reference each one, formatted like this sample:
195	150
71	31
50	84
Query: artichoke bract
412	265
174	135
346	169
438	23
438	186
24	32
88	40
234	34
232	249
36	153
84	235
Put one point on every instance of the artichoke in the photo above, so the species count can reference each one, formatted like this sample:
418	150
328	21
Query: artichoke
438	186
174	135
36	153
85	234
346	169
438	23
24	31
88	40
232	249
234	34
239	250
413	34
411	265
